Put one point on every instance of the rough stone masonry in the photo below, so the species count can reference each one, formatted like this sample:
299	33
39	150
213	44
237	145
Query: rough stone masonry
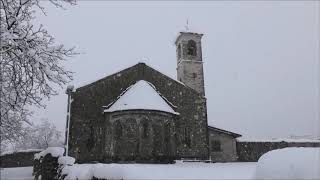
94	136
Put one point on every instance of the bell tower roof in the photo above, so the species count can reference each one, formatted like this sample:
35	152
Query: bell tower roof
187	34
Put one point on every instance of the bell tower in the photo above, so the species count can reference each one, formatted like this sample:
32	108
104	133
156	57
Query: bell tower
189	60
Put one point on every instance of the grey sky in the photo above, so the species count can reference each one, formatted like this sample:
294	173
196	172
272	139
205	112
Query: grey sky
261	59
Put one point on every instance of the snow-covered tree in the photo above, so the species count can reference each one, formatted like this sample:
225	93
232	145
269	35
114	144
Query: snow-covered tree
30	66
40	137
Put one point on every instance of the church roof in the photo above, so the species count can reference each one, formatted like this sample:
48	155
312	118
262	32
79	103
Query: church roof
235	135
141	96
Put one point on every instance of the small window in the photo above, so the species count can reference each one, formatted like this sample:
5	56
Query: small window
192	48
215	146
194	75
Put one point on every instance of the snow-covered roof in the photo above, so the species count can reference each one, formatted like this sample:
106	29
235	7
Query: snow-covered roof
141	96
235	135
119	73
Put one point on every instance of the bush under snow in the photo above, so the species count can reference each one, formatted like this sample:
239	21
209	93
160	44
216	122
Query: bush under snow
289	163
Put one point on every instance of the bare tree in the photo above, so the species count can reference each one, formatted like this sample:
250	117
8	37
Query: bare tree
40	137
30	66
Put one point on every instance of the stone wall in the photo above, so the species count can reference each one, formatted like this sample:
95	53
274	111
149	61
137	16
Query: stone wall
88	102
189	61
191	73
141	136
193	114
17	159
252	151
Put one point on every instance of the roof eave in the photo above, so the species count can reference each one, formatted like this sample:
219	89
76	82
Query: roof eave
156	110
235	135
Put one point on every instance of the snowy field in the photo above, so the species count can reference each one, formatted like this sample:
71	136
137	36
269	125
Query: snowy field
164	171
148	171
286	163
18	173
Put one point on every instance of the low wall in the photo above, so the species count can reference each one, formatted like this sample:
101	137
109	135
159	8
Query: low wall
252	151
17	159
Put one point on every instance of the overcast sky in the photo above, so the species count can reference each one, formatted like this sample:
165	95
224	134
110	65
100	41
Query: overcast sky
261	59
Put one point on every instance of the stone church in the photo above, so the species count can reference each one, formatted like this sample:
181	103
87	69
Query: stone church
142	115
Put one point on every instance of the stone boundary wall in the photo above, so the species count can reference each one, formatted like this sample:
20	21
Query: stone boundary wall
17	159
252	151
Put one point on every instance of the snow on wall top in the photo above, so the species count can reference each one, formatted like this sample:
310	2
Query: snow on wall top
19	151
142	96
244	139
54	151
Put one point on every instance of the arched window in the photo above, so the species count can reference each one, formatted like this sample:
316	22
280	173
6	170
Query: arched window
192	48
158	139
145	129
90	141
131	128
118	130
179	51
187	138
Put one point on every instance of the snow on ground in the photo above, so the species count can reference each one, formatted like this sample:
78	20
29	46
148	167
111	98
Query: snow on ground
194	170
190	170
18	173
289	163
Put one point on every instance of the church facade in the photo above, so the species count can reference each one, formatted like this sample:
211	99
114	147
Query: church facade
142	115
